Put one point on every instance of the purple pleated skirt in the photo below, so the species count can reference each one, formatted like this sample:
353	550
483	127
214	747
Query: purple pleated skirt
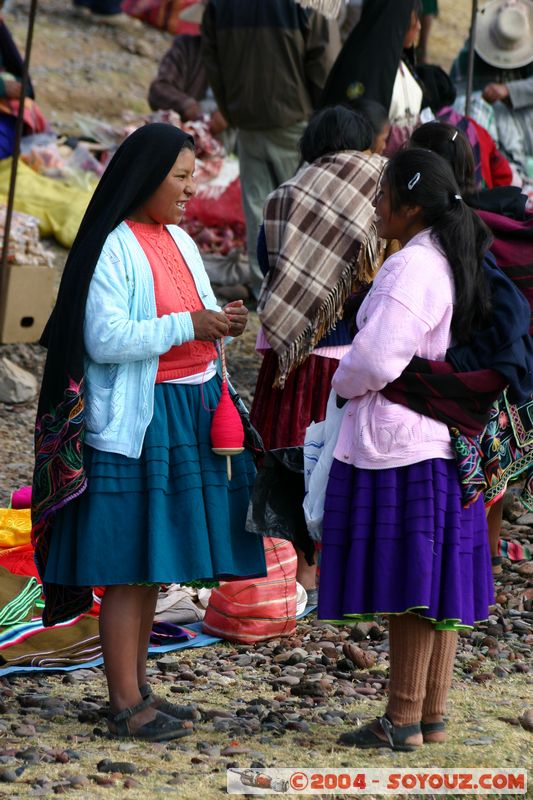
397	540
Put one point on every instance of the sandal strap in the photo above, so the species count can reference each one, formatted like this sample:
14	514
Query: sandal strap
397	734
126	713
145	690
433	727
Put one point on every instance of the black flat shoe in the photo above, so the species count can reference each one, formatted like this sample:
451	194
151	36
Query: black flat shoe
365	738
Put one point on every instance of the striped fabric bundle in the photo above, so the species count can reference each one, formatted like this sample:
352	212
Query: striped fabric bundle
18	595
257	608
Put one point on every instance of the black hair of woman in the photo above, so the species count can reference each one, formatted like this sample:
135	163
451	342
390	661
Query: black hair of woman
439	90
373	111
417	177
452	145
332	130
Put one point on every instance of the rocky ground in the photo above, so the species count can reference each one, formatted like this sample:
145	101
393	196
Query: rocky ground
279	704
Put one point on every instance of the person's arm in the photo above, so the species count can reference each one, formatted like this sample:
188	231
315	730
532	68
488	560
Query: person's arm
211	61
111	337
169	90
521	93
381	349
322	47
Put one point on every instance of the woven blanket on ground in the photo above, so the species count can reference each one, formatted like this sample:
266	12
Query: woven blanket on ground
515	551
321	244
18	595
76	642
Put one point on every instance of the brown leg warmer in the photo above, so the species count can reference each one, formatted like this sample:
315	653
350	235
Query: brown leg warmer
439	675
411	645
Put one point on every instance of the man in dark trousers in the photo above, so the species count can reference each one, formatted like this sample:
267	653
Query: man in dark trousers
267	62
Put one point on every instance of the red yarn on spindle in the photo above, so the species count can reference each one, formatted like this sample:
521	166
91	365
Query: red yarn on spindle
227	433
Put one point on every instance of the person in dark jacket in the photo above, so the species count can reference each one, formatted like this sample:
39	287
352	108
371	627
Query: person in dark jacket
181	84
267	63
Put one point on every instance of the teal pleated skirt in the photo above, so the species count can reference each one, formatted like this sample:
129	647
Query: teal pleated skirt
170	516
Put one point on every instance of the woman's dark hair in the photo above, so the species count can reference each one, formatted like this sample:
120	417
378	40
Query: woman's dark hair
453	146
417	177
372	111
333	129
439	90
189	145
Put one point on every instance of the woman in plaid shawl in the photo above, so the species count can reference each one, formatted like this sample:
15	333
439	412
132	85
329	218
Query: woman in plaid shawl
317	246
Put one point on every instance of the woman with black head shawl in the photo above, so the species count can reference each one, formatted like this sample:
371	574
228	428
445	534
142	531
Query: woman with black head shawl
127	492
377	61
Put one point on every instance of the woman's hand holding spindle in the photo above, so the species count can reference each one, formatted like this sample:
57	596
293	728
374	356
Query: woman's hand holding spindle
210	325
237	315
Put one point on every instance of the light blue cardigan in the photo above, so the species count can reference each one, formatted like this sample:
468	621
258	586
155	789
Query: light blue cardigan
124	338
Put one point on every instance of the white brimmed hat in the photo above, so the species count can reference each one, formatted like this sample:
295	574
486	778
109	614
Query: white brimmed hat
504	33
193	13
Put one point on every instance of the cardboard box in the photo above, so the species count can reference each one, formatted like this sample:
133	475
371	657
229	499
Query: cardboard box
31	293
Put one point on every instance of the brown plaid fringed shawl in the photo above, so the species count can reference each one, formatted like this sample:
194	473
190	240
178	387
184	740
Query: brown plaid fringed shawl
321	244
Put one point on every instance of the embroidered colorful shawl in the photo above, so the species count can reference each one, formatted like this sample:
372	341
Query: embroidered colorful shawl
136	170
321	244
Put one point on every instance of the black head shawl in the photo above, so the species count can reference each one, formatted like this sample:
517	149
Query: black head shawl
136	170
369	60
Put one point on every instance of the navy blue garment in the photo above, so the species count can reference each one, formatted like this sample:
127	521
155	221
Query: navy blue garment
7	135
505	346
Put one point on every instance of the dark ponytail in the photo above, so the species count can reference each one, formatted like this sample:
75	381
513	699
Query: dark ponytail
454	147
419	177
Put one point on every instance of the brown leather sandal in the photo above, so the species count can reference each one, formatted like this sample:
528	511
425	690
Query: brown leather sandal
160	729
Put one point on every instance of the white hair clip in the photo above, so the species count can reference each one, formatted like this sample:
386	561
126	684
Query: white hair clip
414	180
454	137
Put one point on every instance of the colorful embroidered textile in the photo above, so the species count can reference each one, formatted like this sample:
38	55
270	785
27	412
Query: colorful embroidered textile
321	244
18	595
501	454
